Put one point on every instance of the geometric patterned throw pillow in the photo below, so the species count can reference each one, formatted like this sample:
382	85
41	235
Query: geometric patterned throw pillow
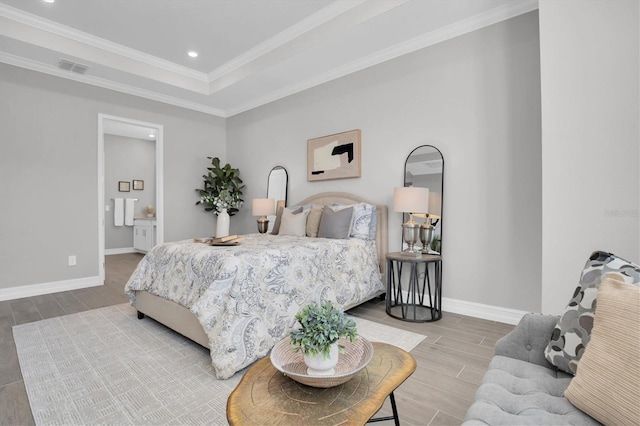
573	330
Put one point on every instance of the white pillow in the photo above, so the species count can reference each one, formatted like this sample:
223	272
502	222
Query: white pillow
293	224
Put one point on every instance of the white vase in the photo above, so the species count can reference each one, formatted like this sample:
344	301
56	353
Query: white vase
222	224
318	365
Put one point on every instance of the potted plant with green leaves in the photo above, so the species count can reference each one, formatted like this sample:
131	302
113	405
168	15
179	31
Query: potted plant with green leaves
321	326
221	193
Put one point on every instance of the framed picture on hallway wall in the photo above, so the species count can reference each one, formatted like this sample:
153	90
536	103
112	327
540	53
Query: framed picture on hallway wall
138	185
334	156
124	186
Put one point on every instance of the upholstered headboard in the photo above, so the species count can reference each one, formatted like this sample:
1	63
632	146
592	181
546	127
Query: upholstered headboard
328	198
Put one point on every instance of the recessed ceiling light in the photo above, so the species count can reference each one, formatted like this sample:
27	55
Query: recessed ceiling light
151	135
192	54
48	1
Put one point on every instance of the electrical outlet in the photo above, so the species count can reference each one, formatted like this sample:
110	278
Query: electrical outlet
72	261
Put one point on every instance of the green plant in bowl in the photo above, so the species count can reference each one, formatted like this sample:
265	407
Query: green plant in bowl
321	325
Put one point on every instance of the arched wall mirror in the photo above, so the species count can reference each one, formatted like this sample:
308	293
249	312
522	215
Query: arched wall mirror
424	168
277	184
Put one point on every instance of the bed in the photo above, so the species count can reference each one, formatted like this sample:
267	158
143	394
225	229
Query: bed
239	301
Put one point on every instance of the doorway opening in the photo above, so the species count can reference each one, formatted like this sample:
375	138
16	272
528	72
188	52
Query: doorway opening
129	128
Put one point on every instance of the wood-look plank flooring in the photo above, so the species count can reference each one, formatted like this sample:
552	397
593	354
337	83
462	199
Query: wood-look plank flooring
451	360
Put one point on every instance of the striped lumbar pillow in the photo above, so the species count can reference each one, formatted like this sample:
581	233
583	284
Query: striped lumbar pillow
607	383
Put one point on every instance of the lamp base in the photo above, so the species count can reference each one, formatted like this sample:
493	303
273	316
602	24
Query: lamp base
426	235
410	231
263	224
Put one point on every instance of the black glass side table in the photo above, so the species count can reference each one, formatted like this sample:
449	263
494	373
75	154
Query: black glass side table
419	297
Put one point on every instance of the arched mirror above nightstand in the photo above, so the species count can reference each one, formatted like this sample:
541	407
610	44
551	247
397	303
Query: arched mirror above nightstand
277	188
424	167
416	294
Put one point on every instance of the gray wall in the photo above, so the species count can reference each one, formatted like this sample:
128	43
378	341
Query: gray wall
477	99
126	159
48	172
591	138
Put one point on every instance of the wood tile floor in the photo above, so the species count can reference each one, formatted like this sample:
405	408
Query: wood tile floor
451	360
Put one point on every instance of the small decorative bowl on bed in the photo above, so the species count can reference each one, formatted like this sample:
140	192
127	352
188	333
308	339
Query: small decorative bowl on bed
356	356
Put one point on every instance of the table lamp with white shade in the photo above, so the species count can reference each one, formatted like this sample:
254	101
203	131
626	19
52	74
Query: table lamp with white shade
263	207
411	199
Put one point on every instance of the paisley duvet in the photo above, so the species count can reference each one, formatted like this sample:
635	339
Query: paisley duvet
246	296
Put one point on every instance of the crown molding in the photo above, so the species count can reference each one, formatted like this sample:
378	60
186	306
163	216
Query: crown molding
316	20
335	19
97	42
18	61
465	26
295	31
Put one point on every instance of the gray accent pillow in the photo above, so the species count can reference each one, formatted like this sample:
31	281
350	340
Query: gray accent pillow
364	222
573	331
276	224
335	224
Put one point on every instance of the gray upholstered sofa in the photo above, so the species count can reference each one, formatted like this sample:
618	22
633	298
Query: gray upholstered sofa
520	386
533	365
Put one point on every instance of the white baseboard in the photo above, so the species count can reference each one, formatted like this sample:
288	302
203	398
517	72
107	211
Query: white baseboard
46	288
455	306
123	250
479	310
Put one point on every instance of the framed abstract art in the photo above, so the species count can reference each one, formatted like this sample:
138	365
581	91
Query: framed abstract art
334	156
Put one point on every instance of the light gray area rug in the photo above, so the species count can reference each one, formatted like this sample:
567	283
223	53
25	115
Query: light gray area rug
107	367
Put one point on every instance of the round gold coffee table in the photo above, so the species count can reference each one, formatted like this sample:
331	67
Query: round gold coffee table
267	396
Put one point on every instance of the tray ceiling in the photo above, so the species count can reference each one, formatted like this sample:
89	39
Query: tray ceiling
251	52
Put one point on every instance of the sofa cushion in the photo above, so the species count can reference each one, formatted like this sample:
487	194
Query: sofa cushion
607	384
515	392
572	333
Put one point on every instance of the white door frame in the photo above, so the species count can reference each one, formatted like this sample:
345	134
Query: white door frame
101	191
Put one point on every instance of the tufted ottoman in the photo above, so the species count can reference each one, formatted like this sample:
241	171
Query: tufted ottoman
520	386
